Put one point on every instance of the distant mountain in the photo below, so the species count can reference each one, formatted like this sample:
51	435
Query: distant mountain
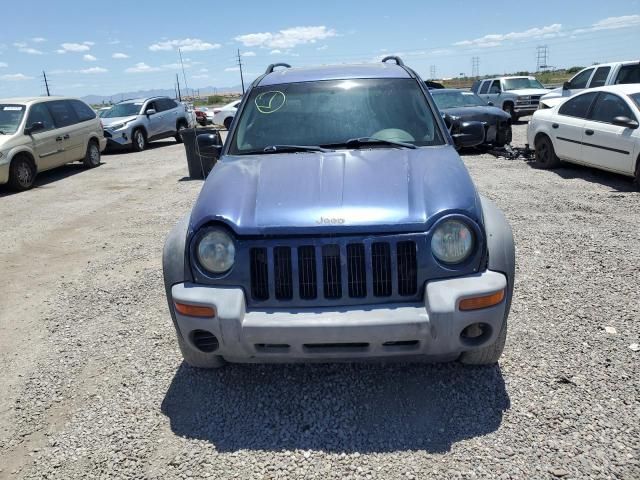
117	97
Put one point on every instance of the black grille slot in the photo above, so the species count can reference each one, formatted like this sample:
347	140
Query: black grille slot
259	274
331	275
357	270
205	341
282	273
407	268
307	272
381	269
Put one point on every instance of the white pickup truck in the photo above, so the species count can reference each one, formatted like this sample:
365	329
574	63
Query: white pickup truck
601	75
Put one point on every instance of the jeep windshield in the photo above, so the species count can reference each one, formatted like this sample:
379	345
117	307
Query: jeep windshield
521	83
10	118
457	99
123	110
331	113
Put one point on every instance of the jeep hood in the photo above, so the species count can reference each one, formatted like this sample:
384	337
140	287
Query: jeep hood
107	122
346	191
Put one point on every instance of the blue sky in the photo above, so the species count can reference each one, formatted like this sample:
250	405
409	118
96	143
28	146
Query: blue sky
106	48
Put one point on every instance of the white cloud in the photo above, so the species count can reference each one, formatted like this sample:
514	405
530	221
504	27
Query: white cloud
113	42
176	66
612	23
93	70
119	55
200	76
74	47
249	54
15	77
287	38
232	69
142	67
186	45
30	51
38	39
91	44
204	70
61	51
20	44
3	65
275	52
323	47
495	39
89	58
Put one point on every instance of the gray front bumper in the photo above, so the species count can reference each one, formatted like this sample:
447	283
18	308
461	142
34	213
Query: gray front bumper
120	138
431	328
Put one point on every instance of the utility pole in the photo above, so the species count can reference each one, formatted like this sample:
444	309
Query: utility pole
240	65
432	70
46	84
178	84
184	76
475	67
175	89
542	54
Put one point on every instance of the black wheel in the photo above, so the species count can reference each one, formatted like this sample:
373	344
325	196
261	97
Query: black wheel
508	107
92	157
22	173
227	122
636	179
138	140
545	154
178	137
504	137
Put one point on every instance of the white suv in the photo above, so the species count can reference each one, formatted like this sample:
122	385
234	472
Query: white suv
518	96
41	133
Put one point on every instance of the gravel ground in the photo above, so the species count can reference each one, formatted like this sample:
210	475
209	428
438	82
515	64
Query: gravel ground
95	387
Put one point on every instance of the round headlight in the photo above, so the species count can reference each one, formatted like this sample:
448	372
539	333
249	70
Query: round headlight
216	251
452	242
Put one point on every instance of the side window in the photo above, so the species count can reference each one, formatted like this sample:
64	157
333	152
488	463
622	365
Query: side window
151	106
485	86
40	113
62	113
83	111
169	104
600	77
581	79
495	87
578	106
474	87
628	74
609	106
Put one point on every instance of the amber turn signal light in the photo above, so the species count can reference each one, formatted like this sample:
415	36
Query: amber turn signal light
195	310
476	303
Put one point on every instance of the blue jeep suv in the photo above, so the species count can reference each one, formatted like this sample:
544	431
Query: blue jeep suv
340	223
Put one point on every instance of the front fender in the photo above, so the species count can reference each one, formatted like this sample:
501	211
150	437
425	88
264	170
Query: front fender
175	268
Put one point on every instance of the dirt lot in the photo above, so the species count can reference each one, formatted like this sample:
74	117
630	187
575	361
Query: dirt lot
93	385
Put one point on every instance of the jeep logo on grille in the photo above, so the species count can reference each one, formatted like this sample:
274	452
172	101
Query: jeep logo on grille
330	221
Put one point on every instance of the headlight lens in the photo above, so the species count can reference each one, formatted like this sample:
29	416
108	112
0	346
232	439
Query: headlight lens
452	242
216	251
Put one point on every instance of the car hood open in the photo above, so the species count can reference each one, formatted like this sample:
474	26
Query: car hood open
346	191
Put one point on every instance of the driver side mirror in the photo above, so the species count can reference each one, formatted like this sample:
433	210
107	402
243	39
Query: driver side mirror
210	145
469	134
151	111
625	122
566	86
35	127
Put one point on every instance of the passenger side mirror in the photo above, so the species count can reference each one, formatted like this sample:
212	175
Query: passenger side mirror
566	86
469	134
35	126
625	122
210	145
151	111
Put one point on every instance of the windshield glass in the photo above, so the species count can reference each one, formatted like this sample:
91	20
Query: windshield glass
521	83
10	118
123	110
636	98
330	112
457	99
102	113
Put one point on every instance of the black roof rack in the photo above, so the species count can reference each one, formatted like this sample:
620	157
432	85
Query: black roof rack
398	60
272	67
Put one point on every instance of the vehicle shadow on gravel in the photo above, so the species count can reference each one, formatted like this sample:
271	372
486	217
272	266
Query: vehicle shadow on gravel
616	182
337	408
45	178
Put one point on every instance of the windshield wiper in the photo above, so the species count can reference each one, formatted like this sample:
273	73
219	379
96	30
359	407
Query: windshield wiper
293	148
362	141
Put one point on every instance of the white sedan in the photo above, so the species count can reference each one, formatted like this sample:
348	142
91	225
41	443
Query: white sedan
598	128
224	115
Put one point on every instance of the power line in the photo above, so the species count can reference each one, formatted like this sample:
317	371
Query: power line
475	67
184	76
241	76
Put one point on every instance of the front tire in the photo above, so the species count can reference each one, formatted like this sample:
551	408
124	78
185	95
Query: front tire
503	138
178	137
487	355
22	174
227	122
198	359
139	140
92	157
545	154
508	107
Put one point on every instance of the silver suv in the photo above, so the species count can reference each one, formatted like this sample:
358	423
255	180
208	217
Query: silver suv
135	123
518	96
